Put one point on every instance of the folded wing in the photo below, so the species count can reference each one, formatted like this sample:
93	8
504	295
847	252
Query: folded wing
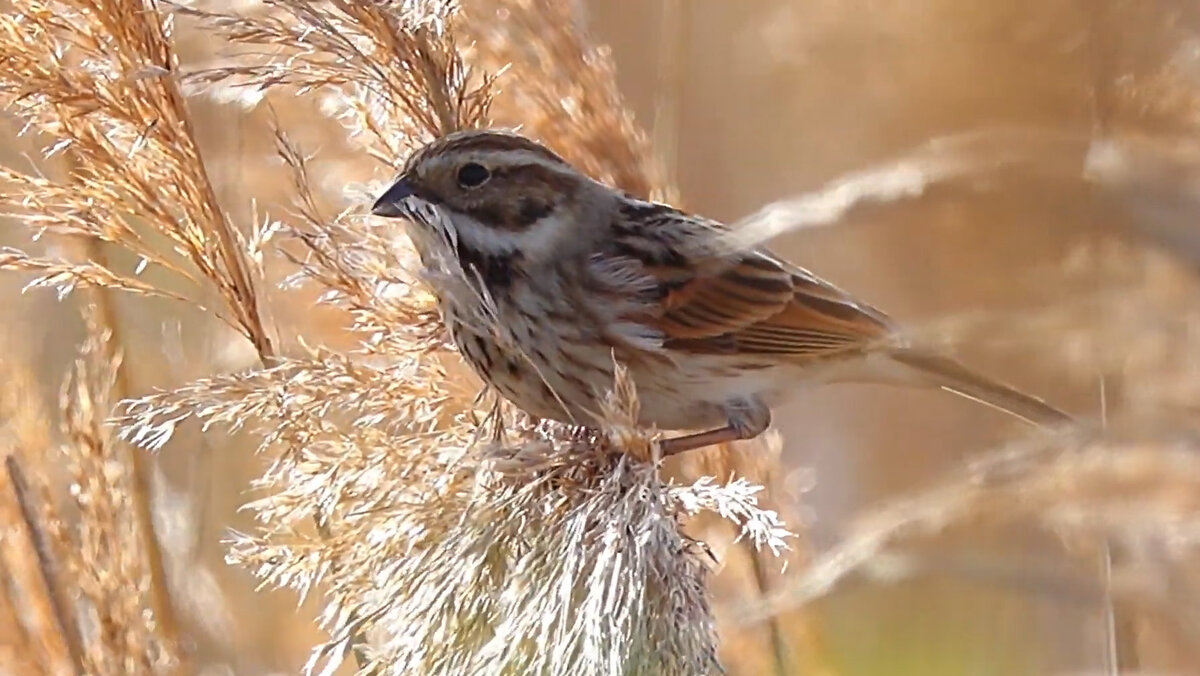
715	302
761	306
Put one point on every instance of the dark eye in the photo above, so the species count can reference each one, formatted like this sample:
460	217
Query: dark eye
473	175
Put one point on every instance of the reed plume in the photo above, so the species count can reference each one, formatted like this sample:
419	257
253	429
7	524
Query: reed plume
434	528
452	536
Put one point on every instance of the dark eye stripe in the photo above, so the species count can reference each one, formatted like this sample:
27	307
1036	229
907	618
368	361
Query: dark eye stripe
489	214
531	210
541	188
536	175
511	216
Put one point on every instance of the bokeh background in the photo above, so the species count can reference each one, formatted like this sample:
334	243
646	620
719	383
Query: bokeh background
754	101
758	101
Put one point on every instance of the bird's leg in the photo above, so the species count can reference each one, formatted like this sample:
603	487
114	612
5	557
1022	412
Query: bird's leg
747	419
690	442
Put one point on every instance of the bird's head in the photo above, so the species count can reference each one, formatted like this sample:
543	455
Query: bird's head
494	193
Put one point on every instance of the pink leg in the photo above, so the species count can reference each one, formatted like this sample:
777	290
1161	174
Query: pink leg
747	419
691	442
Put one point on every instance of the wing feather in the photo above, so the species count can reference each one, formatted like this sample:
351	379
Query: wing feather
736	297
665	293
775	310
748	303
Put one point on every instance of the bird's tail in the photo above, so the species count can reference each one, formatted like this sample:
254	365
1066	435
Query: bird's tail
953	377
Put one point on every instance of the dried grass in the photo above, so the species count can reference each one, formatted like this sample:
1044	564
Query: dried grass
83	568
95	79
452	534
564	531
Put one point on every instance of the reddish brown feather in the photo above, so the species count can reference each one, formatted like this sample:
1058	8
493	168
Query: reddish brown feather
759	305
707	306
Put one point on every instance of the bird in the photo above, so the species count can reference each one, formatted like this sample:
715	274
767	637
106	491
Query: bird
549	281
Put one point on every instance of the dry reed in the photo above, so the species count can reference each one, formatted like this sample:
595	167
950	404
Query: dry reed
453	534
546	551
91	603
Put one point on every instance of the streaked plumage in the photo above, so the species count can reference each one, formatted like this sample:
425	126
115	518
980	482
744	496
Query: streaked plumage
546	278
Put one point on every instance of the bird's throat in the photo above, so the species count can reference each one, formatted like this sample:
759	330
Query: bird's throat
495	270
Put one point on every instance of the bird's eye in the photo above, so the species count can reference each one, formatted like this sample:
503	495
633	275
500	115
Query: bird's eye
473	175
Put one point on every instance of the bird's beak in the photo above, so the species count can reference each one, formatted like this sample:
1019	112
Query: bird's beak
388	204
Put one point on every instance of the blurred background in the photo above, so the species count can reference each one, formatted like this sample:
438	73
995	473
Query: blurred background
1073	186
758	101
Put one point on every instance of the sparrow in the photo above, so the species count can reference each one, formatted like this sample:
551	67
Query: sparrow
547	280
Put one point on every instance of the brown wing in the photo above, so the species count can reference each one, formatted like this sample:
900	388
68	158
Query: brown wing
664	283
759	305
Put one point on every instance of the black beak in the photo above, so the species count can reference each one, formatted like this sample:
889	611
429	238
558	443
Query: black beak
388	204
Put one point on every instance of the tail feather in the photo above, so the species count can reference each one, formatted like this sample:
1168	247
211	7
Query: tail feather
953	377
